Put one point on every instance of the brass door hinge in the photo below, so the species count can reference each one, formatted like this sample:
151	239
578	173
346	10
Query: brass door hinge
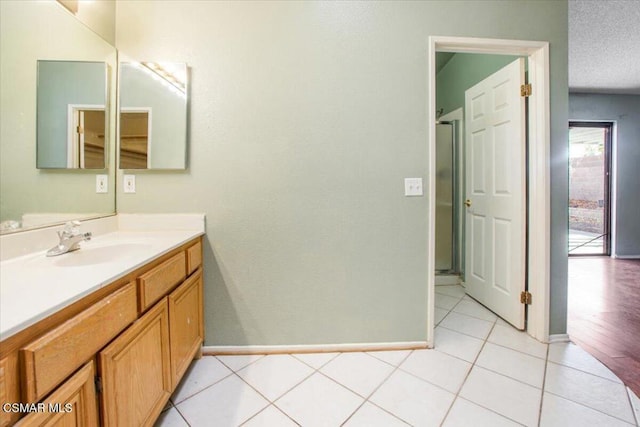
80	130
525	90
525	297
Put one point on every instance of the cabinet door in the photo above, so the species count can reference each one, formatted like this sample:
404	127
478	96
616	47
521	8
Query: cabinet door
135	371
9	387
73	404
185	324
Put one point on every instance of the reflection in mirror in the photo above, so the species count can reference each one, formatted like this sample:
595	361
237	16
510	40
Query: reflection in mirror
135	128
72	97
32	197
153	115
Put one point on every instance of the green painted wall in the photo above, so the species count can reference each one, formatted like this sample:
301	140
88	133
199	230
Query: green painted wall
305	118
460	73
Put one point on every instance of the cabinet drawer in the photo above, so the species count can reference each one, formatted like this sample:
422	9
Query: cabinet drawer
72	404
51	358
194	257
158	281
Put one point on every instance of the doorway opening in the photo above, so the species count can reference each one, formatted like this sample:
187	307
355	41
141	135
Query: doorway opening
488	89
86	136
590	188
537	166
135	138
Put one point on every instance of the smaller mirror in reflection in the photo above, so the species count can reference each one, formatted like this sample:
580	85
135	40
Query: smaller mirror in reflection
71	119
153	115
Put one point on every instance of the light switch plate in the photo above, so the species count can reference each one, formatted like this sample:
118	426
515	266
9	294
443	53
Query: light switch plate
413	186
129	183
102	183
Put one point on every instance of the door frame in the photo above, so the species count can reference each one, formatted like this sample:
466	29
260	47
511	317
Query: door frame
75	152
608	188
538	177
149	112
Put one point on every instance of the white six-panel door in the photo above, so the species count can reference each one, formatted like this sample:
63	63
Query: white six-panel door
495	192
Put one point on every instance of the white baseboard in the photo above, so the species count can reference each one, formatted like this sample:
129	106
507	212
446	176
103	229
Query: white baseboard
558	338
626	256
310	348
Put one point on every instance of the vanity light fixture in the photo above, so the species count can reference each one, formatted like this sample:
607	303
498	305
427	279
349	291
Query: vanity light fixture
173	77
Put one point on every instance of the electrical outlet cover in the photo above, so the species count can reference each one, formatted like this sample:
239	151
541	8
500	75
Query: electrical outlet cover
102	183
129	183
413	186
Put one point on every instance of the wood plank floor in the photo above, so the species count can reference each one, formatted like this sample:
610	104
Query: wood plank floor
604	313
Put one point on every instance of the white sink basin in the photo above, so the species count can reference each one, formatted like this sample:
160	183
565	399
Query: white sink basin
100	254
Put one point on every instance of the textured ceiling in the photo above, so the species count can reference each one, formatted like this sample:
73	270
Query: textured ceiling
604	46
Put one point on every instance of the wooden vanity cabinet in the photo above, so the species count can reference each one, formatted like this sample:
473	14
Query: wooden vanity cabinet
142	330
141	367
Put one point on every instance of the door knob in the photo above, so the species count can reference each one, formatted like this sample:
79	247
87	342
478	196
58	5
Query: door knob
467	203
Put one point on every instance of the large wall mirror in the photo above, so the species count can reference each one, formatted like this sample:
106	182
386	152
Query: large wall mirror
71	114
153	115
44	31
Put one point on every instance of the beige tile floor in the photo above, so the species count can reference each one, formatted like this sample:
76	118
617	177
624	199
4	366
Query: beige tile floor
482	372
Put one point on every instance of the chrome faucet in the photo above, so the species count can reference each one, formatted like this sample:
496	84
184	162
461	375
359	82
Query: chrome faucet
70	239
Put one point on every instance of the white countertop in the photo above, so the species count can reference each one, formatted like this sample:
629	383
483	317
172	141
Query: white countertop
34	286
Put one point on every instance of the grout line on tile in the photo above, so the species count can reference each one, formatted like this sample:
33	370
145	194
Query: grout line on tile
511	378
519	351
473	364
544	383
490	410
182	416
590	407
313	367
239	369
370	353
496	317
472	316
436	385
174	403
379	407
264	409
283	393
633	408
450	310
464	333
366	399
591	373
344	386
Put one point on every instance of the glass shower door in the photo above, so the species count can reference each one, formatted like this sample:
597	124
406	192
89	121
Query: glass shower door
445	185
